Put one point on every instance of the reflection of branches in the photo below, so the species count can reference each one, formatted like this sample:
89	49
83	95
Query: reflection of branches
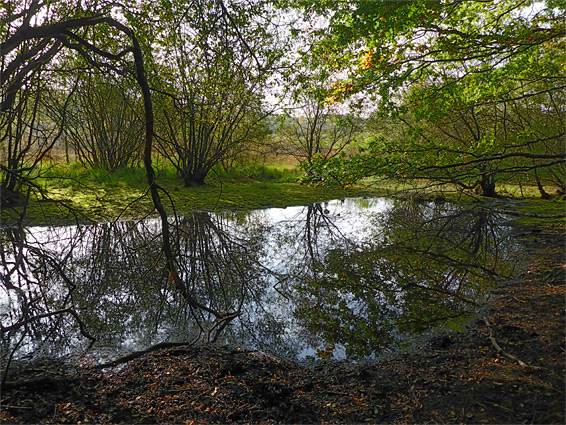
317	222
217	266
459	236
426	266
463	242
107	275
24	272
25	322
24	64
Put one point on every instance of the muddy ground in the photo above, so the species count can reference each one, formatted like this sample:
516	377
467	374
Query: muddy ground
508	367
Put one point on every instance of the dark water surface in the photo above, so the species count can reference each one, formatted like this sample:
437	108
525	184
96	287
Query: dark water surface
345	279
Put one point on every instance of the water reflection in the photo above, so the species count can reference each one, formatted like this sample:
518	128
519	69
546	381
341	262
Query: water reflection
422	267
345	279
219	261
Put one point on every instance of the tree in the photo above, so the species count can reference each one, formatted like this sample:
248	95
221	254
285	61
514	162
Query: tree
105	123
26	137
36	37
38	34
317	129
466	78
218	59
34	33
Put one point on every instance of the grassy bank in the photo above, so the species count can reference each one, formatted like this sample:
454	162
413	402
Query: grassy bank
72	192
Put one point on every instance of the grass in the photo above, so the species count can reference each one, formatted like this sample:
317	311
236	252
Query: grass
74	193
258	172
535	211
76	175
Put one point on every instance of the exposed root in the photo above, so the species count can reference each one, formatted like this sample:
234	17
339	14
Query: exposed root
135	354
501	350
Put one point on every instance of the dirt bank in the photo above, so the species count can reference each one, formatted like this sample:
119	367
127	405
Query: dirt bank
507	368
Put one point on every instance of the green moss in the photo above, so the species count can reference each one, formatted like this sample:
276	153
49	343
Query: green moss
87	199
75	192
538	211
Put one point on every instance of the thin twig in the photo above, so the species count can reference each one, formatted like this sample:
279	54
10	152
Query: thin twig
501	350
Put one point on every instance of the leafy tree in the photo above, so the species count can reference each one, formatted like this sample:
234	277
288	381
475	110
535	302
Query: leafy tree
37	37
313	124
316	129
26	137
33	33
218	59
476	84
43	35
105	123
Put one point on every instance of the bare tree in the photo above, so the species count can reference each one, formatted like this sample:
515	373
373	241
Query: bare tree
105	123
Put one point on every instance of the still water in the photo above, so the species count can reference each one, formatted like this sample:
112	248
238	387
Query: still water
347	279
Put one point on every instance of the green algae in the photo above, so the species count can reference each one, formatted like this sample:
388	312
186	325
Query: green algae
72	193
62	203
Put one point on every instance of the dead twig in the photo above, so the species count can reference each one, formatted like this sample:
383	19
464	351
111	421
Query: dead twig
501	350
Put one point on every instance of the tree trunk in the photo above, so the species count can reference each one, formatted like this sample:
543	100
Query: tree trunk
543	193
195	178
10	197
486	186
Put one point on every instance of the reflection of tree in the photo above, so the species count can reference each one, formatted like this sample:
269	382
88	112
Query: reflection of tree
310	237
120	290
32	311
218	266
418	266
108	281
430	265
316	220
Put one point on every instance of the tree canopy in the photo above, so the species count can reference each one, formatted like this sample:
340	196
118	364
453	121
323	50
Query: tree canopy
477	88
213	72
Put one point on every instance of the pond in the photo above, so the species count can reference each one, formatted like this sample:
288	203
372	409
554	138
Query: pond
347	279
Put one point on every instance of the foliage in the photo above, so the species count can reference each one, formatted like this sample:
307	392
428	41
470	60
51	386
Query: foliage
317	130
430	266
32	35
213	73
26	136
105	123
37	40
477	85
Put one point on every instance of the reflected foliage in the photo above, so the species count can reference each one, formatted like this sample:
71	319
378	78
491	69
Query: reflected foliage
425	266
348	278
37	292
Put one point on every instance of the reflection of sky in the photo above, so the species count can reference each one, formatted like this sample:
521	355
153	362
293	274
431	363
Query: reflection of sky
267	321
348	215
350	218
285	249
